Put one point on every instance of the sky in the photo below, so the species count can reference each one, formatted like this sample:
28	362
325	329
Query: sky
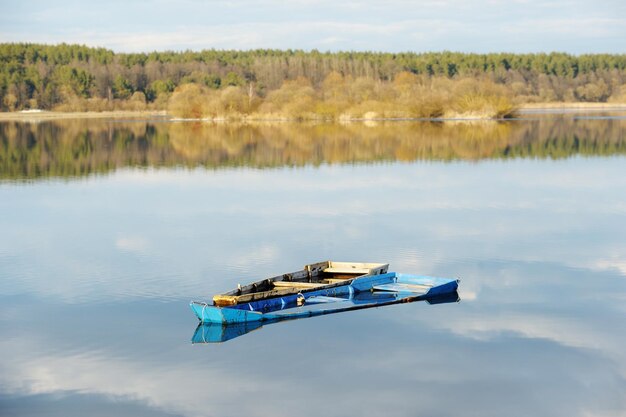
573	26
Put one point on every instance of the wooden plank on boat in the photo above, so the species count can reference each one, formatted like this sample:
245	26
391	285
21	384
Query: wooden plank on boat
362	265
356	267
335	280
339	270
294	284
221	300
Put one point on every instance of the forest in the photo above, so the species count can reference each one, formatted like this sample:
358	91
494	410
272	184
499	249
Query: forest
267	83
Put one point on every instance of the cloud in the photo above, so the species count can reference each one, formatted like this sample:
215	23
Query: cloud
398	25
590	27
615	264
249	259
297	34
132	244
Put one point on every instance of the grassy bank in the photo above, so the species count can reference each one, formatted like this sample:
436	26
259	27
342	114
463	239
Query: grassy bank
339	98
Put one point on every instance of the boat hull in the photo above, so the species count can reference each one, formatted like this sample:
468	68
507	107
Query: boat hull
221	332
397	287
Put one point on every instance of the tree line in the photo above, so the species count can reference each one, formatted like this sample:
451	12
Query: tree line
77	77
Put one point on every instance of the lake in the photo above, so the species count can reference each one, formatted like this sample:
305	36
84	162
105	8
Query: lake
108	228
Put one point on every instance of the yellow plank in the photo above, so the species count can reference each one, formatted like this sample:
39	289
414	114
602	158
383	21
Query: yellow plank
294	284
340	270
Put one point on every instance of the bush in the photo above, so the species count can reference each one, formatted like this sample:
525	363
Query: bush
188	101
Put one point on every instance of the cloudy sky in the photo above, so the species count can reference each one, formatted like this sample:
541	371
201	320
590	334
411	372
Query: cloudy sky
574	26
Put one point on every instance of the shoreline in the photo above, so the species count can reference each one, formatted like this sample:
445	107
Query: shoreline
55	115
527	108
572	107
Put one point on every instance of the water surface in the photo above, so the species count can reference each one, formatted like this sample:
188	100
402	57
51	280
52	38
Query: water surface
109	228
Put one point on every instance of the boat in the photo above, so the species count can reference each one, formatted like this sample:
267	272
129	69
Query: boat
320	288
209	332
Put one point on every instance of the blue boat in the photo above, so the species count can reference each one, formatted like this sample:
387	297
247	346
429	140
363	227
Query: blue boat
219	332
370	287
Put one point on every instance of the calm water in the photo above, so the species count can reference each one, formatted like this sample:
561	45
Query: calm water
109	228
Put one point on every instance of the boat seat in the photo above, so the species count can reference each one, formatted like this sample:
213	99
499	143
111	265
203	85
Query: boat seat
336	280
296	284
344	270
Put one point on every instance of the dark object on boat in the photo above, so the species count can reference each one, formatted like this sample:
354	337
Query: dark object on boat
312	277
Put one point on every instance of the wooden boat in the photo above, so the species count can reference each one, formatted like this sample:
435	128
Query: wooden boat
315	276
321	288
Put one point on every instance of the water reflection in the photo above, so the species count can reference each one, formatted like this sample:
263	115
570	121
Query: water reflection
96	276
71	148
